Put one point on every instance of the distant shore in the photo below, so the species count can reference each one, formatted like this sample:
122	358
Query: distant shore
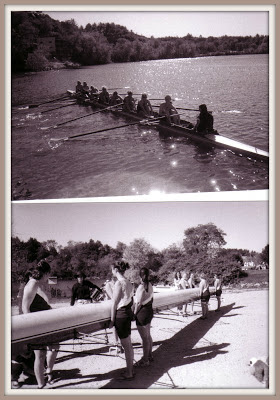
189	353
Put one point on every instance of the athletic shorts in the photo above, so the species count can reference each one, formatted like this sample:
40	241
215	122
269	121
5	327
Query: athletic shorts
145	314
205	297
124	316
218	292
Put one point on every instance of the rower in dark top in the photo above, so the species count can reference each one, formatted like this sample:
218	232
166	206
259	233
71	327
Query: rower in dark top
81	291
115	99
93	93
85	89
144	107
104	96
79	87
129	103
205	120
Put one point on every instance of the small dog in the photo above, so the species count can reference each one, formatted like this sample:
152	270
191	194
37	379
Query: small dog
260	369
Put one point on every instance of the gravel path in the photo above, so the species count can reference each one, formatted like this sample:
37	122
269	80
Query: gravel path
189	353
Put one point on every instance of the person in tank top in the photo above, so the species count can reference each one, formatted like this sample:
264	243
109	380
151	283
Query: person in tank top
122	315
218	290
143	311
36	300
204	295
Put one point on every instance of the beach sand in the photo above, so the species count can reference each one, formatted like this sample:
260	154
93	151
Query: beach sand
189	353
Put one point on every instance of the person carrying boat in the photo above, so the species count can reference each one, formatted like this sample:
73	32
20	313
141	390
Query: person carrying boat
104	96
129	103
169	111
144	107
205	120
115	99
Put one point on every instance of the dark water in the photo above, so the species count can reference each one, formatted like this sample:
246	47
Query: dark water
136	159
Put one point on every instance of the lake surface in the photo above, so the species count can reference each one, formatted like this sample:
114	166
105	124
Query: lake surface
136	159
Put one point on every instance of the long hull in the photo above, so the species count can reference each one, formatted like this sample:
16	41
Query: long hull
64	323
210	139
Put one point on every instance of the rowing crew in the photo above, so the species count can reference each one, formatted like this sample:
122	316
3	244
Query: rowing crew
144	108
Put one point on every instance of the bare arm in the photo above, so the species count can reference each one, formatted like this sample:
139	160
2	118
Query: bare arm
29	293
116	298
139	297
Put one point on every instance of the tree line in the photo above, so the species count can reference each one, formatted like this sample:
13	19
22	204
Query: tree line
108	42
202	249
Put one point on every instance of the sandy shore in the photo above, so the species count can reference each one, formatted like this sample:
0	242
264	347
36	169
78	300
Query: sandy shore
188	352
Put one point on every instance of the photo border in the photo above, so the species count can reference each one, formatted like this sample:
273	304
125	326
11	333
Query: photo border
5	199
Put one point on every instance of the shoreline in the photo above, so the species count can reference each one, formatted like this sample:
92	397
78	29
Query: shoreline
189	353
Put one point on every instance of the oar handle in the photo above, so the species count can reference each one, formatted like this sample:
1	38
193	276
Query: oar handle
181	108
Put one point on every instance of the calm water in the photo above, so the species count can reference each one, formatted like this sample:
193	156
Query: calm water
135	159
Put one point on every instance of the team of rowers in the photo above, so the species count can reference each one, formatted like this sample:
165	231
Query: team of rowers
143	107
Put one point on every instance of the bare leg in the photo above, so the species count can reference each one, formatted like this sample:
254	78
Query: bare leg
40	356
144	333
51	357
219	302
129	354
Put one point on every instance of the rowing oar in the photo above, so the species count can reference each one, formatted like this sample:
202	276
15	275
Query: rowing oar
87	115
186	109
144	121
46	102
56	108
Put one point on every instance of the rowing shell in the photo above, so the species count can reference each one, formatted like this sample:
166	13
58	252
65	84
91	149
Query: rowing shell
64	323
211	139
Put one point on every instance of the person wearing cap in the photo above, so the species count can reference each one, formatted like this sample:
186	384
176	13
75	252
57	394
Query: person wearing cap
144	107
205	120
81	291
169	111
129	103
104	96
115	99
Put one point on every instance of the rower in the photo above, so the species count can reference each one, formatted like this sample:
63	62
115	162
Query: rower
79	87
169	111
205	120
104	96
93	93
115	99
144	107
85	89
129	103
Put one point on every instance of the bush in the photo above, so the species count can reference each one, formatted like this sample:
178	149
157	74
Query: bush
36	61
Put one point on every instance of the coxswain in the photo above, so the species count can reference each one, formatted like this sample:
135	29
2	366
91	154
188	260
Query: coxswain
104	96
82	290
205	120
115	99
79	87
144	107
129	103
169	111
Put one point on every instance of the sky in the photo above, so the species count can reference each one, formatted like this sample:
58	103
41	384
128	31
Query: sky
173	23
159	223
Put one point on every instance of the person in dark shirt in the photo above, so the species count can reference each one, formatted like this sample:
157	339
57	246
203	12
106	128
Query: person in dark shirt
82	290
205	120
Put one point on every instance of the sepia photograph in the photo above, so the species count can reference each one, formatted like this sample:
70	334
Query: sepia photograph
156	295
136	103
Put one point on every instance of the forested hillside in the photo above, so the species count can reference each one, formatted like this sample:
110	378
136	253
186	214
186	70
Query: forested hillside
108	42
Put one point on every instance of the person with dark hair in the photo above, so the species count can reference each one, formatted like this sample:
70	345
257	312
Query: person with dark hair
104	96
144	107
218	289
93	93
204	295
183	285
115	99
79	87
84	291
143	311
169	111
129	103
191	285
34	300
122	315
205	120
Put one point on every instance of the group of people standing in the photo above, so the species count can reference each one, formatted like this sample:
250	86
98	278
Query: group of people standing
144	108
127	305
